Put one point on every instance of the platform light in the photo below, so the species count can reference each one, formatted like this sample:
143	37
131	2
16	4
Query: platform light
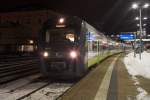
145	18
137	18
138	25
146	5
135	6
144	24
61	20
140	7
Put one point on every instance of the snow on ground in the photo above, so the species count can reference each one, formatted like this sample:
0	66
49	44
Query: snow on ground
137	67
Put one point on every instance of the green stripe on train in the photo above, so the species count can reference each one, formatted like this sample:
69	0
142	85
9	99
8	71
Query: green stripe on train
97	59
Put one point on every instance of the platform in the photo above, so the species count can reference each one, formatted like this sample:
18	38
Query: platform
108	81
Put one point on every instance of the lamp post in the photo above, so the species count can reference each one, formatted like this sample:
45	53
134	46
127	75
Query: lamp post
140	7
141	31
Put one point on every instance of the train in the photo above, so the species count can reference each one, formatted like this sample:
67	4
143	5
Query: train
69	46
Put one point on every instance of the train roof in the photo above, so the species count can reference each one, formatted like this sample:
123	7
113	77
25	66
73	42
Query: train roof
97	33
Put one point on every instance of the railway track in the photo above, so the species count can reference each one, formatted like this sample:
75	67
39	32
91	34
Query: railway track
50	92
15	59
24	82
14	68
33	87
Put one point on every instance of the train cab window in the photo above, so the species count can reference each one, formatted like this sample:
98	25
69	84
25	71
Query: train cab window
70	37
60	36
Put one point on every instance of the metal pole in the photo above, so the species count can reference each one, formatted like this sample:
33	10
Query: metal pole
134	44
140	11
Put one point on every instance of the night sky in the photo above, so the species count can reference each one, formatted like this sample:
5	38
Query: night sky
110	16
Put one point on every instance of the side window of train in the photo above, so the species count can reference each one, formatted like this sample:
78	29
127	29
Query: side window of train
47	38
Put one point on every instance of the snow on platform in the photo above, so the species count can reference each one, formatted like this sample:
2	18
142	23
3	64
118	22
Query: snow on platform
139	67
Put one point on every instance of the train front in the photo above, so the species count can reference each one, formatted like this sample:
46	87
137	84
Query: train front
59	51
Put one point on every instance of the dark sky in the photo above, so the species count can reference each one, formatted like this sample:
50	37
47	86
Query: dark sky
107	15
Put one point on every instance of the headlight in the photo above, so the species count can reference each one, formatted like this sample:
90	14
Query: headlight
45	54
73	54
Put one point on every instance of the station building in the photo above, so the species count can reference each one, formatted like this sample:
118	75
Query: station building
19	30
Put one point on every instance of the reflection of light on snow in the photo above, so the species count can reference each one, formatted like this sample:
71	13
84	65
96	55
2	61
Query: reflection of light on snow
136	82
146	97
137	67
142	94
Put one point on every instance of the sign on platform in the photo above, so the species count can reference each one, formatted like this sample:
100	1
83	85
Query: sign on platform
126	36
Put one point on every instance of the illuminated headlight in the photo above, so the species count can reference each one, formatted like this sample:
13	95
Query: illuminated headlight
61	20
45	54
73	54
